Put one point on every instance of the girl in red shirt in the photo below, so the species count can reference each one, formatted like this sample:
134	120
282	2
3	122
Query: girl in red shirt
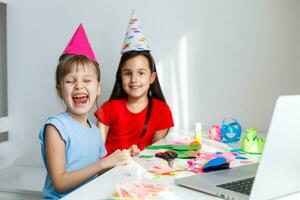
136	114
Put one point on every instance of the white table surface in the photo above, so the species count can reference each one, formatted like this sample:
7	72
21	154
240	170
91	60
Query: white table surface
103	186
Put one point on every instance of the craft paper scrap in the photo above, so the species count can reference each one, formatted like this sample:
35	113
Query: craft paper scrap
162	168
210	160
175	147
138	190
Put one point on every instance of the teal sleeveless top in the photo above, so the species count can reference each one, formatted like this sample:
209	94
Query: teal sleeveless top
84	146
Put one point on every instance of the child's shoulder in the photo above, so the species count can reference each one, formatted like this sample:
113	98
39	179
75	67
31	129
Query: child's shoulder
158	102
160	105
57	119
59	116
114	102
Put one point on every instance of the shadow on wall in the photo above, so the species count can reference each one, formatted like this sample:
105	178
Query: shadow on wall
226	60
207	78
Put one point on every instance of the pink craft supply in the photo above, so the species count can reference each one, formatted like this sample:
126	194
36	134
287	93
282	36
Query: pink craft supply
207	155
79	45
196	164
139	189
161	168
198	153
246	161
215	132
177	143
228	156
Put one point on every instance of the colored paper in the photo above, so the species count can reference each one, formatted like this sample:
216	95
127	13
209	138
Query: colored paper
174	147
251	143
79	45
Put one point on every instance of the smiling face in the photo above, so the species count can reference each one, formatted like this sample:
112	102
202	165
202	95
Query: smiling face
137	77
79	88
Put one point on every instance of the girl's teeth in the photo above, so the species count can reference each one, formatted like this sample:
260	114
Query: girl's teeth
82	99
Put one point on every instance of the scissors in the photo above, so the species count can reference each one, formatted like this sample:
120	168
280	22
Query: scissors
169	156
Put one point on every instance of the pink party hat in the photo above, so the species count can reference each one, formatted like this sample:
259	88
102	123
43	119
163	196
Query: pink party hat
79	45
134	38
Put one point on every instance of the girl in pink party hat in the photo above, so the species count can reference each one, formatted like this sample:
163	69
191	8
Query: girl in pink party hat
71	145
136	114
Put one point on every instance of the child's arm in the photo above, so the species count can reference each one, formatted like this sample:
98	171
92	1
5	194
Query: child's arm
158	135
103	129
55	153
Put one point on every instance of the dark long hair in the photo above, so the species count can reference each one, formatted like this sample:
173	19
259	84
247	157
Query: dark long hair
154	90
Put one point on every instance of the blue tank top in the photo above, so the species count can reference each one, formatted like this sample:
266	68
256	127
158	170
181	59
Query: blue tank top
84	146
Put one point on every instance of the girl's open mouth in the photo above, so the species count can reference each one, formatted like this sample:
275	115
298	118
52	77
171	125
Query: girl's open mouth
80	98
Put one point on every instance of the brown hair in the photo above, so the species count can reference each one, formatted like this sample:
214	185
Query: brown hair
65	63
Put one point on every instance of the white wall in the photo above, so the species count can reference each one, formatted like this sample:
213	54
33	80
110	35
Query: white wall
215	58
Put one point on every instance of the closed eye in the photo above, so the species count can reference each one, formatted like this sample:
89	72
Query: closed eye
69	81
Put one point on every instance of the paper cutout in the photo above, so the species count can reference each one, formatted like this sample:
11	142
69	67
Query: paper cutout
146	156
186	154
163	169
175	147
210	161
200	166
251	143
180	154
246	162
241	158
229	131
215	132
138	190
80	45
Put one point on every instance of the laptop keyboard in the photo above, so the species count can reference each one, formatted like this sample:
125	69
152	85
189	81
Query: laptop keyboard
243	186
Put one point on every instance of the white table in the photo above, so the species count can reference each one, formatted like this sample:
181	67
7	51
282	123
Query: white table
104	185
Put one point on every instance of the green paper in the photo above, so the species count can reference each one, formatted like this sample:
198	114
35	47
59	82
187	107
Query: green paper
146	156
251	143
174	147
184	155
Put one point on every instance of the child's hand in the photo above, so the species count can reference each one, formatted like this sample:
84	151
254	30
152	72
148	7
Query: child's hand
134	150
116	158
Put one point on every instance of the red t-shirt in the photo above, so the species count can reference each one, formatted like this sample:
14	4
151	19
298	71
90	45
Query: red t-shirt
125	127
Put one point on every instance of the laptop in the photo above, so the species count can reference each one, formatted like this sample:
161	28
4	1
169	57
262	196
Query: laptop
278	172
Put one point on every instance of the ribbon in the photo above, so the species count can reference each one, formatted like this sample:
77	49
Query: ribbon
251	143
229	131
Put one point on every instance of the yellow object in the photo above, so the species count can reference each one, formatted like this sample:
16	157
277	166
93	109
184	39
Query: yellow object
198	138
198	132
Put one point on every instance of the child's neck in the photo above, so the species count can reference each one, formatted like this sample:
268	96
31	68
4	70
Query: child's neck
137	105
80	118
